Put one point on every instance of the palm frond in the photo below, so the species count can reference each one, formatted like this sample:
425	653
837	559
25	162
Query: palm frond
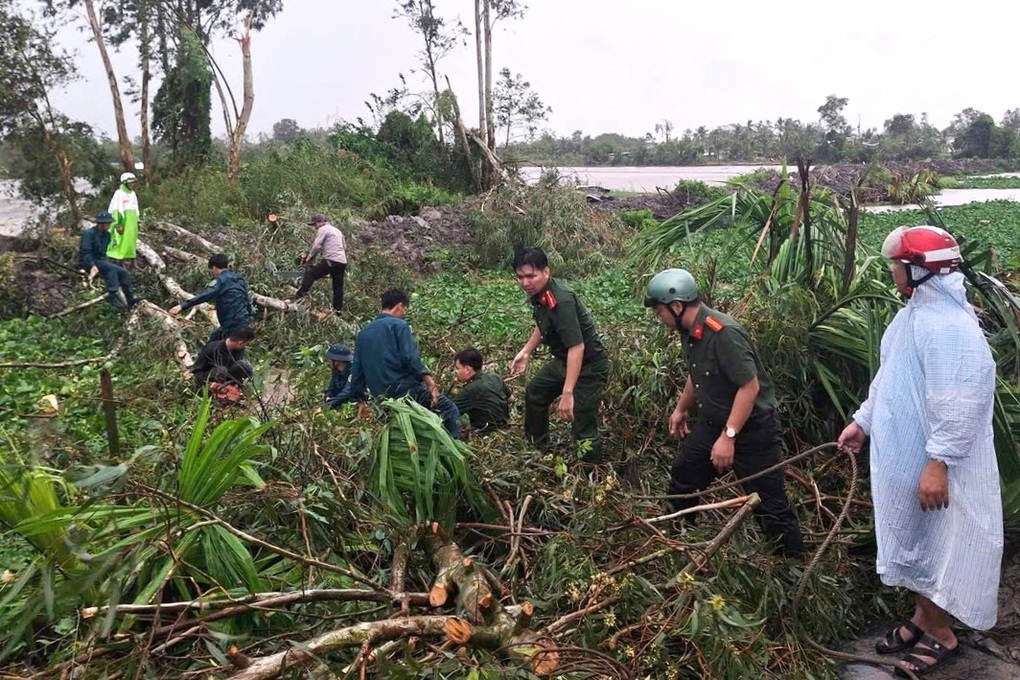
420	473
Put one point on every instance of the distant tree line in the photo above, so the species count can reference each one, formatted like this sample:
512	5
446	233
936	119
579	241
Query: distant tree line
830	139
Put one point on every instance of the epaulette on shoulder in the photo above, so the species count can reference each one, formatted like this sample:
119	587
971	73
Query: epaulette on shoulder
713	323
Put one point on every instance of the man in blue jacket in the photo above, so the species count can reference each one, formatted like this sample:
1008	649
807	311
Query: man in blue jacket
387	362
230	295
92	260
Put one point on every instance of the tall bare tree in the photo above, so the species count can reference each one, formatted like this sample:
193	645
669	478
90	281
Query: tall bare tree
439	40
127	156
480	60
139	22
145	59
236	127
487	14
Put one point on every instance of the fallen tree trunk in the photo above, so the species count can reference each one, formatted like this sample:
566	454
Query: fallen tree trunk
271	599
182	255
149	254
273	303
150	310
357	635
505	628
459	576
183	233
502	635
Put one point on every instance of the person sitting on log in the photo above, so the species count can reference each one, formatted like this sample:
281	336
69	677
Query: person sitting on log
93	260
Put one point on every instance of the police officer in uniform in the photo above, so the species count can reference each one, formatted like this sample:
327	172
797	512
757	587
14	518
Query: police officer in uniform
739	423
578	370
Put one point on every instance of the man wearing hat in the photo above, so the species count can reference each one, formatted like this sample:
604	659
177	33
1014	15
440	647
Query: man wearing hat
124	233
92	260
331	243
339	391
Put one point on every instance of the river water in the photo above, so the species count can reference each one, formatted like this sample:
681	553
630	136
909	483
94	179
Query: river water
15	213
646	179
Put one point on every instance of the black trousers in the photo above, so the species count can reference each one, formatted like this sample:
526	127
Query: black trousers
116	278
335	270
758	446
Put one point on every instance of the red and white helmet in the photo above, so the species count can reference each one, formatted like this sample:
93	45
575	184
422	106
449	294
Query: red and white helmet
926	246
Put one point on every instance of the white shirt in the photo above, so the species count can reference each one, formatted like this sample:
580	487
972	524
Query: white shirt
331	242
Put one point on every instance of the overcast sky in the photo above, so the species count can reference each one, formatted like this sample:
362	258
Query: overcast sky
624	65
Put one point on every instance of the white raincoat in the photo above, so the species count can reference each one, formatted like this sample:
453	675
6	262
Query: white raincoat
932	399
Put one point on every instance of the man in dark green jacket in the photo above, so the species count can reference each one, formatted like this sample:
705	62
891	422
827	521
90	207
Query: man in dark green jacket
230	295
92	260
387	362
578	370
738	425
484	397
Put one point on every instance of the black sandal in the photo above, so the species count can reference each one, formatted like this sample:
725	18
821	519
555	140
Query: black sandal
927	648
894	641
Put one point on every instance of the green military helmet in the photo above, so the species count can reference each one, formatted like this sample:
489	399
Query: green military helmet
671	285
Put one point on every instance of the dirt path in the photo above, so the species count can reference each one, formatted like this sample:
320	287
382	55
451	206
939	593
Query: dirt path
994	655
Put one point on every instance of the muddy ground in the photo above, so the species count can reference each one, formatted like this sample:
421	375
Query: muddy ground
412	238
991	655
662	204
30	280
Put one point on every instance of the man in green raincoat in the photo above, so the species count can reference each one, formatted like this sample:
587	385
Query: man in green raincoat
124	230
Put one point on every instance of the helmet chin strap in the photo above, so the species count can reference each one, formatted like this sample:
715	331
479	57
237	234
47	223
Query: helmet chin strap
913	283
677	318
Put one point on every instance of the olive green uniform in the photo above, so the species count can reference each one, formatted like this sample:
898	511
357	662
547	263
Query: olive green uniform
721	359
564	322
485	399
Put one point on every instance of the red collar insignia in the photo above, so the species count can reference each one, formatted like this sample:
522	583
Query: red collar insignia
547	299
697	332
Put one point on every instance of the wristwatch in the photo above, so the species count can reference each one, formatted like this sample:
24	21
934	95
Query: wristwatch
731	432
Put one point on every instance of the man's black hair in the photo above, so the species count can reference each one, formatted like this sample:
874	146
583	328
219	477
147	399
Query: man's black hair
535	257
244	333
469	357
392	298
219	260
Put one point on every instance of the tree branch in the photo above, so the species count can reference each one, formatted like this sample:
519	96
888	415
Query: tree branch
372	633
75	308
257	600
207	246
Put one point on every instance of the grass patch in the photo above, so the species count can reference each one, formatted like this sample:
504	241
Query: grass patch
996	224
978	182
